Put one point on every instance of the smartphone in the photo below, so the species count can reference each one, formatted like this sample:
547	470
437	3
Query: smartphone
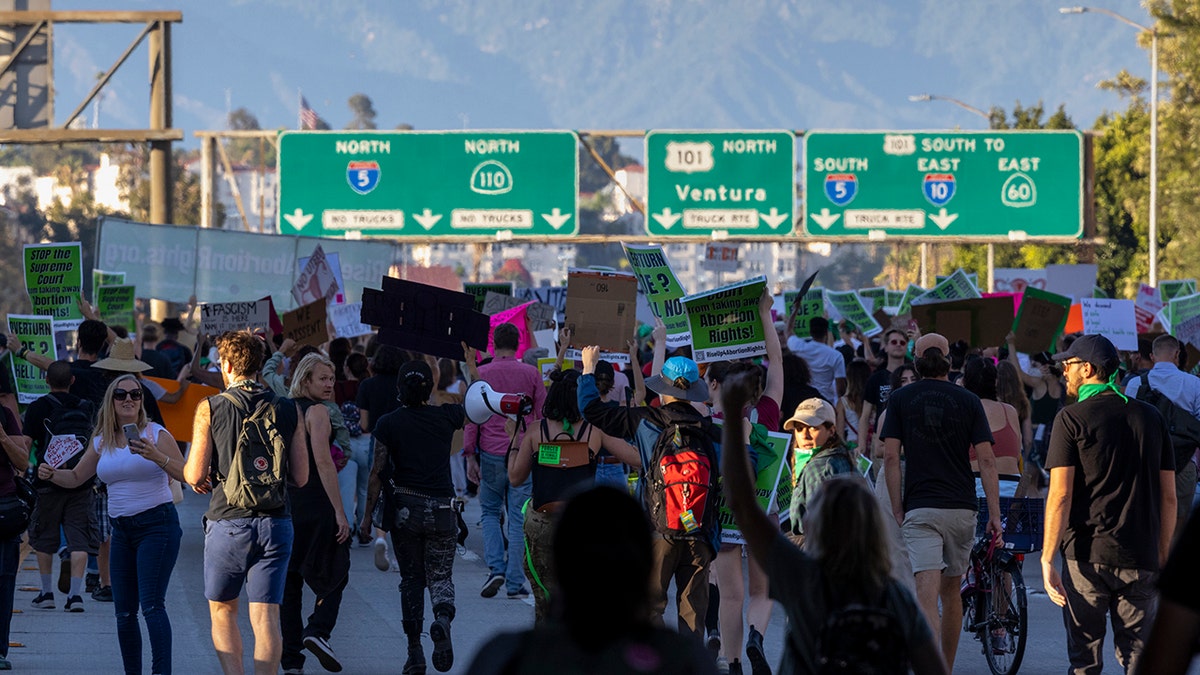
131	432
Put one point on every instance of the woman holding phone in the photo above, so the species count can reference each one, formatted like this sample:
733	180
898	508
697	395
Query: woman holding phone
135	457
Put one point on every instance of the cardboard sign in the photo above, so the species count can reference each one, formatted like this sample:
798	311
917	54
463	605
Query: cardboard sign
115	306
982	322
1114	319
218	317
725	321
601	309
424	318
1146	305
1072	281
658	283
306	325
720	257
772	462
1016	280
1184	315
54	281
61	449
1039	321
480	291
346	320
957	286
1169	290
102	278
850	307
316	280
36	333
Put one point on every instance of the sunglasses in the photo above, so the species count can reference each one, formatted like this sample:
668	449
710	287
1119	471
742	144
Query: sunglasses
1072	362
122	394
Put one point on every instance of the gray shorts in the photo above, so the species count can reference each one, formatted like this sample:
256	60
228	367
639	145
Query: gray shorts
939	539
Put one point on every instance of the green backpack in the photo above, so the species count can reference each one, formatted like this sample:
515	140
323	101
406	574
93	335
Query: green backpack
257	479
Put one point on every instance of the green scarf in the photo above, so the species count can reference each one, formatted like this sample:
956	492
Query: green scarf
1087	391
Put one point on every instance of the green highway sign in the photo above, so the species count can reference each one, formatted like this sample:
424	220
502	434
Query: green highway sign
735	183
428	184
1016	184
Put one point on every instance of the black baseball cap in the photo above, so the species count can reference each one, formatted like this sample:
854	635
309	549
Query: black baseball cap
1094	349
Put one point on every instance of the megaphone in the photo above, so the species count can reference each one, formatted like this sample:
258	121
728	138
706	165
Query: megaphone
481	402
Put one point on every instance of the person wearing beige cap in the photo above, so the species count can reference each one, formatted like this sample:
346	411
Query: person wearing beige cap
937	422
820	454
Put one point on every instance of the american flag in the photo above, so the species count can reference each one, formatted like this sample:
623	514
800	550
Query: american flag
308	116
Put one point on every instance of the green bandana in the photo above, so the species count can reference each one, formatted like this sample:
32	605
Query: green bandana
567	428
1087	391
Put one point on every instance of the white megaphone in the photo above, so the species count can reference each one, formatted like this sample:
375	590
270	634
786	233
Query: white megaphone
482	402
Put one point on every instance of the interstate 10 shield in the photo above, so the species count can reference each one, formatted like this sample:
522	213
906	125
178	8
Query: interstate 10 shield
938	188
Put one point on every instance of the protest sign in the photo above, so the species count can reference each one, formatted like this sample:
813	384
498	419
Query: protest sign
982	322
1169	290
306	325
957	286
1114	319
102	278
36	334
316	280
602	311
115	306
1072	281
1016	280
972	277
346	320
1185	318
54	280
772	462
60	449
1074	320
720	257
725	321
479	291
555	296
1039	321
178	416
1147	304
424	318
516	316
911	293
335	266
813	305
657	281
874	298
218	317
893	298
539	313
850	307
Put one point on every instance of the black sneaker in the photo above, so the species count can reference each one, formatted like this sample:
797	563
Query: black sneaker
44	601
735	667
103	594
91	582
713	643
755	654
519	594
492	585
320	648
74	604
443	649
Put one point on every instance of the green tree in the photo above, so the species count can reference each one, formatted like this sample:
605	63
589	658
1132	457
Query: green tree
249	151
363	112
591	176
186	195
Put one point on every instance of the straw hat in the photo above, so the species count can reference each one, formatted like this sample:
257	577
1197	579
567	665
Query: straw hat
121	358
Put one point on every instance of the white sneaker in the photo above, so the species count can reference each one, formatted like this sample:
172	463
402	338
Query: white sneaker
381	556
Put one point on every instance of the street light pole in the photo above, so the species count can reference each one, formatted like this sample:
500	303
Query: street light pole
1152	233
965	106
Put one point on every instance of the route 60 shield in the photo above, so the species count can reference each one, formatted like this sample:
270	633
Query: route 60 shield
938	188
362	176
841	188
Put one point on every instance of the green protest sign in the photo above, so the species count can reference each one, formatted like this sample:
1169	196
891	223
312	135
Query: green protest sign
893	298
102	278
115	306
1169	290
850	307
36	333
911	293
1184	313
876	295
1040	320
957	286
812	305
972	277
725	321
480	291
657	281
772	459
54	281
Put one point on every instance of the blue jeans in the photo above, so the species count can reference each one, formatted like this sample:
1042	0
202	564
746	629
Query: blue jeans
144	549
614	475
494	488
362	451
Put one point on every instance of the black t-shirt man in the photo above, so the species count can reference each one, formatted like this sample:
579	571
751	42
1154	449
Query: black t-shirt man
936	423
1117	449
377	397
90	383
419	443
36	416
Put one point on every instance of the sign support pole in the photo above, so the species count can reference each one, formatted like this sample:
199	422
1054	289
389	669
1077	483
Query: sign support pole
991	271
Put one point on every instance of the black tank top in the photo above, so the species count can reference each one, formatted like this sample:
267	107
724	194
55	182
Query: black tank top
312	495
552	484
224	426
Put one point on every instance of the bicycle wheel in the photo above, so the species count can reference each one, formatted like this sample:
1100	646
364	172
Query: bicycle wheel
1007	619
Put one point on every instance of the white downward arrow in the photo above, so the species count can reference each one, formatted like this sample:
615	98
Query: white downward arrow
298	219
943	219
556	218
427	219
825	219
666	218
774	219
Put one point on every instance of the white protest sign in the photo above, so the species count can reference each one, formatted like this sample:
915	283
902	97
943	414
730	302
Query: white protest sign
316	280
1148	304
335	264
61	449
1016	280
720	257
218	317
347	321
1114	319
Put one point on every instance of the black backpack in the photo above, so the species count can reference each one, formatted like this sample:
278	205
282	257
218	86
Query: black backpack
683	482
860	639
78	420
257	478
1183	428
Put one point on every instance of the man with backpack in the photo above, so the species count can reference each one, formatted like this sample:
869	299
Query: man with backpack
246	443
678	444
60	425
1176	394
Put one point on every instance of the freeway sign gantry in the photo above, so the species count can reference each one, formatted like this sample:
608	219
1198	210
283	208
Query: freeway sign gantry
714	183
428	184
1016	184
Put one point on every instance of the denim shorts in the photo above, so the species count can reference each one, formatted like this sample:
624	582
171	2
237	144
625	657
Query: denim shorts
250	551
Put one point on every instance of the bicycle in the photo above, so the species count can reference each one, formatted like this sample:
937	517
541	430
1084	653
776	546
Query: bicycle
995	608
